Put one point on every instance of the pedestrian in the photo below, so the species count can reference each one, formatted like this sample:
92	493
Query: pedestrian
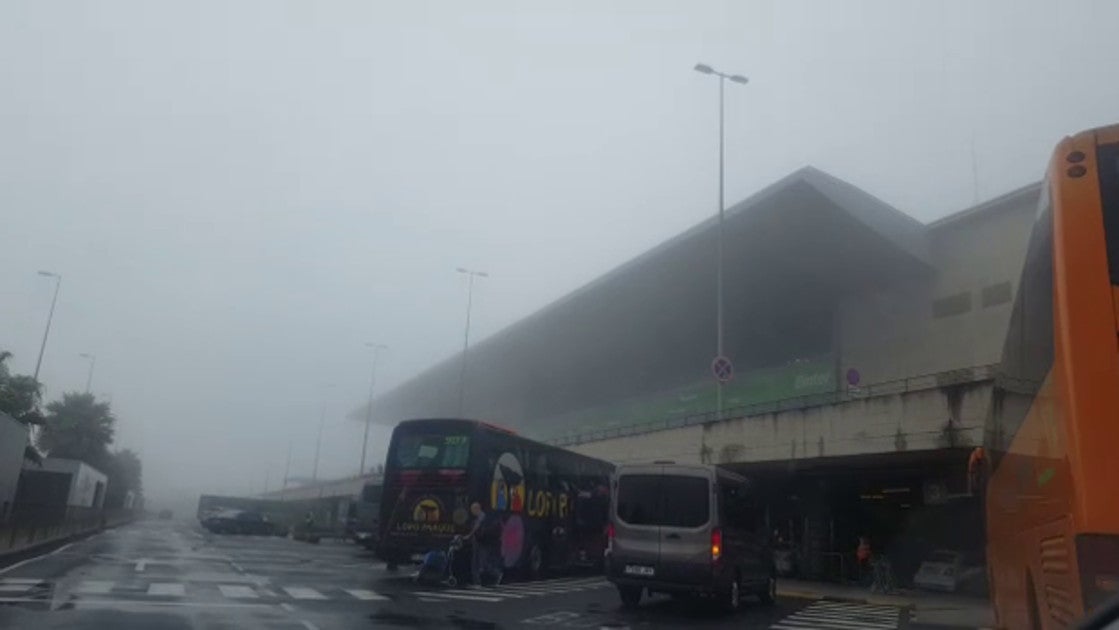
485	538
862	557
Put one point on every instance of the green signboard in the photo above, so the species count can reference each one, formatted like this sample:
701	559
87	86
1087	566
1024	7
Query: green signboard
798	378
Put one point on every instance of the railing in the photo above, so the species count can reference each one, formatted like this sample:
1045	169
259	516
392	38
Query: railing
900	386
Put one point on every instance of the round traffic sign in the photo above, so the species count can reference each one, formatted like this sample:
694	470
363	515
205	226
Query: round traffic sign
723	369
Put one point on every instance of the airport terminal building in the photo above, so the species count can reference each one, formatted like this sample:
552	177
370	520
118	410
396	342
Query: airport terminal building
864	343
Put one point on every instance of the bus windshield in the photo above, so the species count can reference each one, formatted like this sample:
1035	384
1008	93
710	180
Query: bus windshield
427	451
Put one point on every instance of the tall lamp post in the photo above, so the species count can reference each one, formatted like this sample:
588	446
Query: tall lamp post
377	347
470	274
737	78
89	377
50	317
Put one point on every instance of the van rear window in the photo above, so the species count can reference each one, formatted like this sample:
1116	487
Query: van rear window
663	500
687	501
639	499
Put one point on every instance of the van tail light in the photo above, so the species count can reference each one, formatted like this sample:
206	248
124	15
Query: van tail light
610	535
1098	560
716	544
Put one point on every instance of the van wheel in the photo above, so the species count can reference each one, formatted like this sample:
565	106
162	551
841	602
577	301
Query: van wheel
732	600
769	595
631	596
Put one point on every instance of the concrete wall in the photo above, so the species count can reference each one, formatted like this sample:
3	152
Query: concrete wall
13	442
894	333
904	421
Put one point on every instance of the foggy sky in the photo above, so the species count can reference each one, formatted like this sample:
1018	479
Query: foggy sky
240	194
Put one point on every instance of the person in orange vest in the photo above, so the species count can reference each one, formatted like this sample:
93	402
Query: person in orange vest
862	556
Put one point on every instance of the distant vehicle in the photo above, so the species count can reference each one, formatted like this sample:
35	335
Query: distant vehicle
941	571
363	519
165	515
239	522
687	530
552	504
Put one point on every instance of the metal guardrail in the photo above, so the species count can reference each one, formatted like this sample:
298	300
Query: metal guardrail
920	382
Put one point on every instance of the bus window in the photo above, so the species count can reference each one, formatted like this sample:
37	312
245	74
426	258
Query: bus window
432	451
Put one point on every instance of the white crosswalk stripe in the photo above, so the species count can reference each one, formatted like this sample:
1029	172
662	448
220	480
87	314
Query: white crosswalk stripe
94	587
520	590
302	592
237	591
828	615
365	595
167	589
12	586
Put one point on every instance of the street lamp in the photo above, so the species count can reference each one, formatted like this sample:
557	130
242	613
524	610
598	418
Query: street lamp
92	362
737	78
318	442
50	317
471	274
377	347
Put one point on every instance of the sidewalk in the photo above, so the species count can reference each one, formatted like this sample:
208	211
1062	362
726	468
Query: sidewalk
926	607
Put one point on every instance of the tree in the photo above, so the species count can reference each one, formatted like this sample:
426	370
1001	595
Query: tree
19	398
19	394
124	471
78	427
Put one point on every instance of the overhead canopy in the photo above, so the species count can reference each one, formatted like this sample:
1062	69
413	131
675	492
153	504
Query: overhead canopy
791	250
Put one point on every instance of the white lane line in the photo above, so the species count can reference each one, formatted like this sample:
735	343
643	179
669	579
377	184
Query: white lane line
815	622
308	625
465	596
237	591
167	589
61	549
489	592
287	607
141	565
299	592
31	581
94	587
135	604
364	594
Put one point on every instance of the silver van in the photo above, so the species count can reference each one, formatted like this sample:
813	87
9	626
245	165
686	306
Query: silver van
687	530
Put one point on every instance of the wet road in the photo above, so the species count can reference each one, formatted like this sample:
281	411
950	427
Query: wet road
163	575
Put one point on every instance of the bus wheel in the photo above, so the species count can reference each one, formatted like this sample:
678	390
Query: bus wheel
535	562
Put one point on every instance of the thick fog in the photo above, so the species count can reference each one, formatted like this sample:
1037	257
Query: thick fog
239	195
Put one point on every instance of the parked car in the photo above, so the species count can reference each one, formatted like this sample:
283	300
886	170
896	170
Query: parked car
943	571
687	530
239	522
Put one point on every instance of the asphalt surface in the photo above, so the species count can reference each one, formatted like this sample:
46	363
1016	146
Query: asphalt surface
165	575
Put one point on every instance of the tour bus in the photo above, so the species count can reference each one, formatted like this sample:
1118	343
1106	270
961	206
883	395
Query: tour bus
1051	509
552	503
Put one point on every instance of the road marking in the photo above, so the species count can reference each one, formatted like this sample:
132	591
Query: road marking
308	625
31	581
61	549
480	597
287	607
167	589
299	592
237	591
20	564
141	565
94	587
841	616
364	594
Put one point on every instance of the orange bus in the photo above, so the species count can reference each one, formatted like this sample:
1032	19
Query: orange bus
1052	495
